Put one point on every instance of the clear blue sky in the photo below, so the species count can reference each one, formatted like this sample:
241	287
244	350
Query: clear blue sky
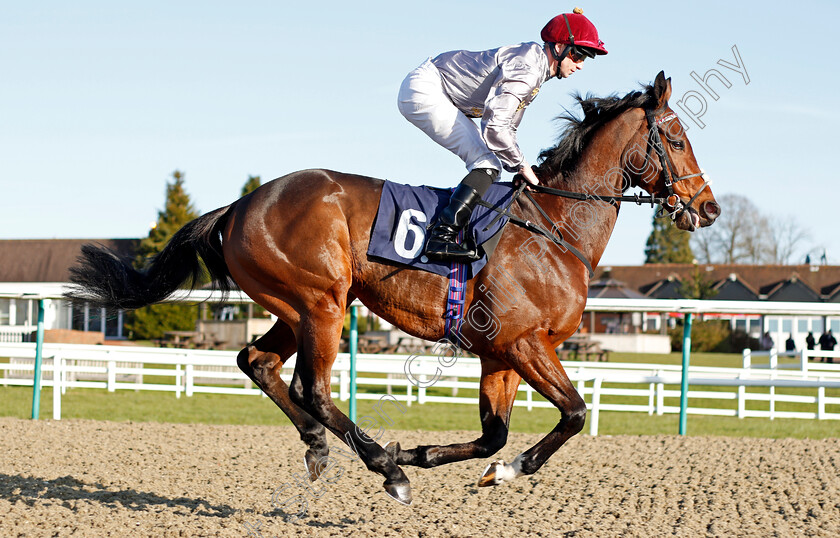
101	101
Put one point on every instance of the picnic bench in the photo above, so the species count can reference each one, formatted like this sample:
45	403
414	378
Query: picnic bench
189	340
582	348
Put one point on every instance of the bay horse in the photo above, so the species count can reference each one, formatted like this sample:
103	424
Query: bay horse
297	246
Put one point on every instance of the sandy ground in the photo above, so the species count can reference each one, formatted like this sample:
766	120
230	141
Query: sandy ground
88	478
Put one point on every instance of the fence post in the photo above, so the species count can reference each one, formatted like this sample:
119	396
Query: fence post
596	406
747	363
774	359
651	398
803	361
58	385
178	381
660	395
408	393
821	401
421	390
343	384
112	376
354	342
742	397
39	351
66	377
686	354
189	379
529	396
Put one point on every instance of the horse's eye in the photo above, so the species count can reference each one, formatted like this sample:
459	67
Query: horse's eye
678	144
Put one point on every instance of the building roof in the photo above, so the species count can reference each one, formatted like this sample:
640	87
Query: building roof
612	289
763	282
49	260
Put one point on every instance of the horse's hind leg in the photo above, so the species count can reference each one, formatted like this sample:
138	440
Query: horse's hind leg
319	332
537	363
495	401
262	362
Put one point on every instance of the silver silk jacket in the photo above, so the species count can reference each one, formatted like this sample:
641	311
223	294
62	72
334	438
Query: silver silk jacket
495	85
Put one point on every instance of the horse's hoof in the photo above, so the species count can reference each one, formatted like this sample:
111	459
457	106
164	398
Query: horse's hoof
498	472
312	465
492	474
392	448
399	492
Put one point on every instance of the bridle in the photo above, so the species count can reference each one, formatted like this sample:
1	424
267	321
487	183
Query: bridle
671	177
672	200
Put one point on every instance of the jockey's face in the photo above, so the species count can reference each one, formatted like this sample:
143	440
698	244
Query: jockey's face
568	66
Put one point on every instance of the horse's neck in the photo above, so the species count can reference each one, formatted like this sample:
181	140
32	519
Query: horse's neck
588	224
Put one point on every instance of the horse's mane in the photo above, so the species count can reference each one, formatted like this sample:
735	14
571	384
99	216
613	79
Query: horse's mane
562	159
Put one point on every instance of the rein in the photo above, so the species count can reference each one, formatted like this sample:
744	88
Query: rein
655	142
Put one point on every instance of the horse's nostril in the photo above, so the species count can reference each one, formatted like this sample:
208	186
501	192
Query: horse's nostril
711	210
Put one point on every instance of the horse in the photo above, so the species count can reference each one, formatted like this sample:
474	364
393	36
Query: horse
297	246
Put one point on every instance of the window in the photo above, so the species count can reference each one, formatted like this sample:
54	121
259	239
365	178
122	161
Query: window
755	326
817	325
835	325
802	325
741	325
773	325
112	327
5	308
94	320
787	326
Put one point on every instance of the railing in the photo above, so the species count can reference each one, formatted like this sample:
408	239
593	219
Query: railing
199	371
808	360
16	334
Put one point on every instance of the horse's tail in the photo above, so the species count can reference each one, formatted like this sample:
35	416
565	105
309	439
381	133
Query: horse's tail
103	278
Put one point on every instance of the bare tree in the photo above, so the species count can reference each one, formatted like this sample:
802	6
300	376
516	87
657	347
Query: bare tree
789	239
743	235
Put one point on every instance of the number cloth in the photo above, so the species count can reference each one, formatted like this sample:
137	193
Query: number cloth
399	230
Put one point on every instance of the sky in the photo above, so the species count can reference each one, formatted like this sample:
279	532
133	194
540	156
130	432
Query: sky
101	101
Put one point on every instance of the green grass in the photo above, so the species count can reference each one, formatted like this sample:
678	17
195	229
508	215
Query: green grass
124	405
98	404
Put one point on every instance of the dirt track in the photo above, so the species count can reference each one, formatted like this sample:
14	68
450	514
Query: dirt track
87	478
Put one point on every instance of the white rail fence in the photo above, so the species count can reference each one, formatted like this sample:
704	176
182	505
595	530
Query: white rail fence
189	372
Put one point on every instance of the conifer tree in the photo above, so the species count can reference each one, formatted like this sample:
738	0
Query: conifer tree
667	243
251	185
153	321
697	286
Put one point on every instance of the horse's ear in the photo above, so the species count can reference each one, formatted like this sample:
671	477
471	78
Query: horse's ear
662	88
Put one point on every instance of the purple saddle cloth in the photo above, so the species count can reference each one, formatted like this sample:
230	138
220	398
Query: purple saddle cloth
405	211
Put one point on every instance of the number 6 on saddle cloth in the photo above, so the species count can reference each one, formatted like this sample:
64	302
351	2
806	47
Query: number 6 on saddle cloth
399	229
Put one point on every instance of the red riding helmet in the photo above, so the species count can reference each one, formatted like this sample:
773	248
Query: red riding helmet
575	30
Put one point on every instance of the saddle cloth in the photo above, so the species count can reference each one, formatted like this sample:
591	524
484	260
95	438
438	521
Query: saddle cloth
405	212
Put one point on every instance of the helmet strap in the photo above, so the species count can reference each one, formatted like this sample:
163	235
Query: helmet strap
569	28
559	57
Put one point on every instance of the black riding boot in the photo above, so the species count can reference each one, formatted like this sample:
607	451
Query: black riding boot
452	219
456	215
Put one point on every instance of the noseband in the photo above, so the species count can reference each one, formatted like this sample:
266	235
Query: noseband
655	141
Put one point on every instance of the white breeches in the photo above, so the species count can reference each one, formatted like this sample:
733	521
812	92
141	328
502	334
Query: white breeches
423	102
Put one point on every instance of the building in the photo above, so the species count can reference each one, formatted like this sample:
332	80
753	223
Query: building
793	283
30	264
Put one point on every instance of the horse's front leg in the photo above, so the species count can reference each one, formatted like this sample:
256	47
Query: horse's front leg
497	392
538	365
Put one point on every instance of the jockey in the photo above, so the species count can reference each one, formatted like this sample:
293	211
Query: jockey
495	85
